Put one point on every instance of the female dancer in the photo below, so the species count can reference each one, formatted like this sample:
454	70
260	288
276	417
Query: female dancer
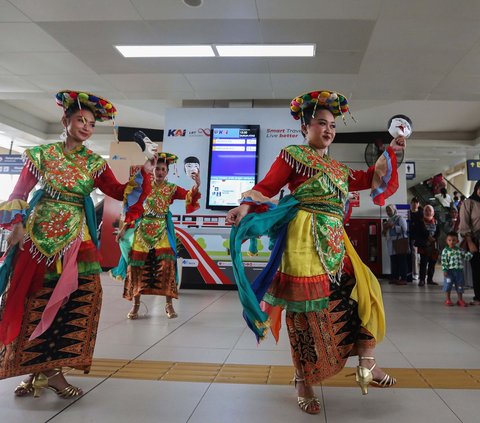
333	302
150	248
50	308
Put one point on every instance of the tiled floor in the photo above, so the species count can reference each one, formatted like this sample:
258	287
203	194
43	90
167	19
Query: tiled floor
436	346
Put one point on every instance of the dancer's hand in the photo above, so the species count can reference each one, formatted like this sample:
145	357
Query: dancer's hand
15	237
150	164
121	233
235	216
398	143
196	178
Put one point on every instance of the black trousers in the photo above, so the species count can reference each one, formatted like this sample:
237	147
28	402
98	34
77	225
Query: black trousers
427	268
398	264
475	263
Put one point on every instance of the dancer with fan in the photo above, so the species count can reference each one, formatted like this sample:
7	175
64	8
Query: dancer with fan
332	300
148	261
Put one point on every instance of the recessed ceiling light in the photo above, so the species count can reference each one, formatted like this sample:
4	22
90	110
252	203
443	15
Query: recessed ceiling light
167	51
266	50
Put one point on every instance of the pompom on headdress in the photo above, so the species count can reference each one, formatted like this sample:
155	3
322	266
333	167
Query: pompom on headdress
101	108
168	158
335	102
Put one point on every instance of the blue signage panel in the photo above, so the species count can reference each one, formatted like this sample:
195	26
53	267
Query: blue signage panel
11	164
473	170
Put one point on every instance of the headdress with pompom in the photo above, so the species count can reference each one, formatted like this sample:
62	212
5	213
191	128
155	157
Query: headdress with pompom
335	102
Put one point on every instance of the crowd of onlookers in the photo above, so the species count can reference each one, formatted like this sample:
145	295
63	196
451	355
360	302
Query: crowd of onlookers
415	245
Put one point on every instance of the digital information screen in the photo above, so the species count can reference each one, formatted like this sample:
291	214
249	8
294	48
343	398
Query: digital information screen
233	164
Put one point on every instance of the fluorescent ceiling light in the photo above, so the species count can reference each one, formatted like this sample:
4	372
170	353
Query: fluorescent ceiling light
266	50
167	51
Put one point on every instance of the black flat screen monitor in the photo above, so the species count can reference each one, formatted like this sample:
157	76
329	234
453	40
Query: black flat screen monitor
233	164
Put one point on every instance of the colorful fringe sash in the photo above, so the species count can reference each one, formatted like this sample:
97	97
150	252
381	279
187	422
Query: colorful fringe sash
274	223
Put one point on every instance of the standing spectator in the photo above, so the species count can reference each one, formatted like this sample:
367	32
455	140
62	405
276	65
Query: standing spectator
460	203
450	225
395	229
470	230
438	183
426	242
456	199
453	259
443	198
415	217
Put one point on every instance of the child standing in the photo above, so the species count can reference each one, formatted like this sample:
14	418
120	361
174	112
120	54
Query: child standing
453	258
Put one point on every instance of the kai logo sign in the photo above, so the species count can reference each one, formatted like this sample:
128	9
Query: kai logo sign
176	132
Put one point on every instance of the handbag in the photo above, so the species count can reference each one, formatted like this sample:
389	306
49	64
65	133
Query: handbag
401	245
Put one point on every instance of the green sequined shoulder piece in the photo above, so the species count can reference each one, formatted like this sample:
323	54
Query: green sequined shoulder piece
306	161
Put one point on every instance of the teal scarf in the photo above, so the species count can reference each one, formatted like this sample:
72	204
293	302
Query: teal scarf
272	223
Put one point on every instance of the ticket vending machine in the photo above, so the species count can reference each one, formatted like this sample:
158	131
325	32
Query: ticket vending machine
366	237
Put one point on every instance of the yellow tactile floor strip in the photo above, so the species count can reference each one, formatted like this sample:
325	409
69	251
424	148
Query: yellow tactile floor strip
273	375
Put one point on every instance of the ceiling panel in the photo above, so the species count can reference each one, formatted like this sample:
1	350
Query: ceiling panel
9	13
327	34
327	62
210	9
54	83
167	95
44	108
229	81
227	94
463	87
432	9
110	61
208	31
319	9
470	63
149	82
75	10
4	71
92	36
291	85
43	63
15	84
409	65
423	34
26	37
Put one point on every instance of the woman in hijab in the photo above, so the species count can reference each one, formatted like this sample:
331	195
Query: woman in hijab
395	229
426	242
470	229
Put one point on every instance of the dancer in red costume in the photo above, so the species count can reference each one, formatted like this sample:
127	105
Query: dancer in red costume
333	302
50	277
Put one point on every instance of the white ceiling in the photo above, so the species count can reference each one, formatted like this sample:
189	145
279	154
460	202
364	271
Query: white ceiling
420	58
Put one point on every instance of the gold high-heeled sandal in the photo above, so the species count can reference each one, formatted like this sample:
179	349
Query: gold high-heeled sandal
170	311
40	381
364	377
133	313
307	405
25	388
